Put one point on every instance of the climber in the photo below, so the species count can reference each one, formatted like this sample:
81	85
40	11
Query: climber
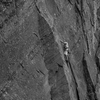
65	48
66	52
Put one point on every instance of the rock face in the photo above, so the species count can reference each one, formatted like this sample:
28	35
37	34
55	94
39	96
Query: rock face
35	63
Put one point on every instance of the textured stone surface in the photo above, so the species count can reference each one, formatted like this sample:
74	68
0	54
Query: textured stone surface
33	65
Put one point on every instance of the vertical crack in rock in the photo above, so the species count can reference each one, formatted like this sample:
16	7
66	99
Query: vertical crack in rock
90	87
73	75
79	11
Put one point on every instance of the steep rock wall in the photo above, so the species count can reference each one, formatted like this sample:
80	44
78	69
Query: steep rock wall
33	63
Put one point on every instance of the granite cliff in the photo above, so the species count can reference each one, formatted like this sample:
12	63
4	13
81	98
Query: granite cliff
33	62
